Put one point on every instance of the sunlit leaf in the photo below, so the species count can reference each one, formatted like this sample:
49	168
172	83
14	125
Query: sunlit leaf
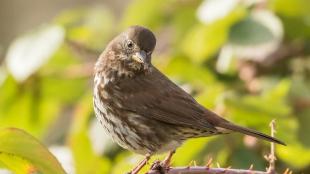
79	141
29	52
189	151
92	27
3	75
175	70
295	154
126	161
212	10
203	41
291	8
24	147
153	13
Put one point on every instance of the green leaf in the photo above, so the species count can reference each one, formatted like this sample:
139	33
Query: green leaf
84	156
249	32
294	154
144	12
92	27
126	161
189	150
243	158
292	8
21	149
202	41
176	70
255	110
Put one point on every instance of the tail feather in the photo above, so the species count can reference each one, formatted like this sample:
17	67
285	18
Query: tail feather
250	132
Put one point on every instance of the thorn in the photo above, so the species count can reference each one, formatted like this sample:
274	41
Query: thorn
227	168
209	163
272	122
191	163
251	167
218	165
194	163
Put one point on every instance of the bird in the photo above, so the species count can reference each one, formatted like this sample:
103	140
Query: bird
142	109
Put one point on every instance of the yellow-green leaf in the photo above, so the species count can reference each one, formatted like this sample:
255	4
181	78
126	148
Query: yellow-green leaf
18	146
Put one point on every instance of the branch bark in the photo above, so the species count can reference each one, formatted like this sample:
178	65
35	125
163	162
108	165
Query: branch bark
207	170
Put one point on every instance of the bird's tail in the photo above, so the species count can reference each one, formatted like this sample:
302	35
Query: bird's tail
250	132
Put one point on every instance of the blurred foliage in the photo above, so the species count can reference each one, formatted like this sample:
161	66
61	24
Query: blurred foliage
22	153
247	60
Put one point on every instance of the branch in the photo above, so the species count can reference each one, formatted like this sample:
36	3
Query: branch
157	169
206	170
82	50
271	157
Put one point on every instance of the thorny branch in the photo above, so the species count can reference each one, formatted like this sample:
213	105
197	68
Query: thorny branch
271	157
208	170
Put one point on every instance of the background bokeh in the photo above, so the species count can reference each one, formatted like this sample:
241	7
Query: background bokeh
248	60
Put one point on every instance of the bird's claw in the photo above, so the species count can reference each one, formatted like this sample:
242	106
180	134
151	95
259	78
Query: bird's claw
159	167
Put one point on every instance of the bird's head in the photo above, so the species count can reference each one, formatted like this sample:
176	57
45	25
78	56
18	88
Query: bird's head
130	50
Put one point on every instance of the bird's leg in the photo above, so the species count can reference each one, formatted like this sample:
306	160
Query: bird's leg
141	164
167	160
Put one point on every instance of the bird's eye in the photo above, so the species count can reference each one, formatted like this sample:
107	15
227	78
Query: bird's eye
129	44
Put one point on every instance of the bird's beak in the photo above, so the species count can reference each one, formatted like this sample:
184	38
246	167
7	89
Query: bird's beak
140	56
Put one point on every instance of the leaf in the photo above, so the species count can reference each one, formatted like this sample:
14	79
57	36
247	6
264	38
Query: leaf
204	40
24	147
294	154
292	8
126	161
92	27
175	69
3	75
255	110
213	10
29	52
189	150
85	157
249	32
144	12
243	158
17	164
257	36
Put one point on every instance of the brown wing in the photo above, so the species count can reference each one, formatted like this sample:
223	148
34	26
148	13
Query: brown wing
155	96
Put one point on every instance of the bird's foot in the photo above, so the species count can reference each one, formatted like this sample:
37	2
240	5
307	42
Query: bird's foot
140	165
164	166
167	160
159	167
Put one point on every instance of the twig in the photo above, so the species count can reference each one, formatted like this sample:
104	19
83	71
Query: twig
207	170
271	158
82	50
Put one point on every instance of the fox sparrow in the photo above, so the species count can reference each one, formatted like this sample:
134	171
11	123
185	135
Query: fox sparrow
141	109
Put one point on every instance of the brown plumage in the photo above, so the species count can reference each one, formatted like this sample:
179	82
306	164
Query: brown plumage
141	108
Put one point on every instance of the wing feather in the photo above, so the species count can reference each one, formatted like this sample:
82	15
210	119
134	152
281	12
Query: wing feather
153	95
